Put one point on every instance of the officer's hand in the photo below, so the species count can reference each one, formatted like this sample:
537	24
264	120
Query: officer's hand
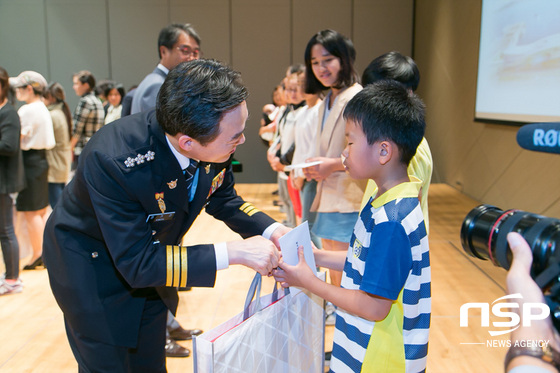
256	252
279	232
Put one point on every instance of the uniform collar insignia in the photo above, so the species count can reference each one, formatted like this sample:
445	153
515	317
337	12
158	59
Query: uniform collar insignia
207	168
139	159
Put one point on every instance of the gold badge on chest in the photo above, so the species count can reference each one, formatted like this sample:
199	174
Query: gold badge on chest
172	184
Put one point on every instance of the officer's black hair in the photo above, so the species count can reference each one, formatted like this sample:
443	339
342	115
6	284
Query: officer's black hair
195	96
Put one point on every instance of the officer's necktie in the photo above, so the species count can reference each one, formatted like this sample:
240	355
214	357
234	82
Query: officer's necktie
189	174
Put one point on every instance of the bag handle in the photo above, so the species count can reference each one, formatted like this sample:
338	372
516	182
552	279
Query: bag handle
255	292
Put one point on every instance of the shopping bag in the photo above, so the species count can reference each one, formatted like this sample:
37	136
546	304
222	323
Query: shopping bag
280	332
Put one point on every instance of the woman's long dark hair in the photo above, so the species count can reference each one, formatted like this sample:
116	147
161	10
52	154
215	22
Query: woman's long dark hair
339	46
57	92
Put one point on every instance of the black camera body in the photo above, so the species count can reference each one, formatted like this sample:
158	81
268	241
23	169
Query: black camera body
484	236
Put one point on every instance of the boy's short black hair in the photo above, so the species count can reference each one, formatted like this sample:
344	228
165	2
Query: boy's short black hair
387	111
392	65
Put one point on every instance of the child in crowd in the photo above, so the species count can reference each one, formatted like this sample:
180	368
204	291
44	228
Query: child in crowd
329	61
305	145
384	302
403	69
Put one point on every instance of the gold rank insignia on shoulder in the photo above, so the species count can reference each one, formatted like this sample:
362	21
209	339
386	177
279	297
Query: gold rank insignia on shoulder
161	202
207	169
139	159
172	184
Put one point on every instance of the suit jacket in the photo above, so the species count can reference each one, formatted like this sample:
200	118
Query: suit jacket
338	192
145	96
127	102
12	173
114	238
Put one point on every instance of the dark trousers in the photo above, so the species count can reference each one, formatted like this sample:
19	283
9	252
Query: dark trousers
55	192
8	240
149	355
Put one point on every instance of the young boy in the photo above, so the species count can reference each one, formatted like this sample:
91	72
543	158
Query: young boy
384	301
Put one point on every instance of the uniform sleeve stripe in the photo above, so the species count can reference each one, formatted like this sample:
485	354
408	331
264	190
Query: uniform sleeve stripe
249	209
245	206
169	280
176	265
253	211
184	266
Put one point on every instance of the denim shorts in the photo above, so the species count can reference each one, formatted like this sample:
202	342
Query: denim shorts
336	226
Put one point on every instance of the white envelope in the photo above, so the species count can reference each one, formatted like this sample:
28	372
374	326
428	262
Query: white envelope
301	165
290	242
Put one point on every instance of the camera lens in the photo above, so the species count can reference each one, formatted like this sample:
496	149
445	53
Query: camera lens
484	235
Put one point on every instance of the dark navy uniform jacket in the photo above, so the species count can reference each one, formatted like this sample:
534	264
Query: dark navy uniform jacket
114	238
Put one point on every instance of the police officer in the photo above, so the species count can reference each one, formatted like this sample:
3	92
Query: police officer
112	245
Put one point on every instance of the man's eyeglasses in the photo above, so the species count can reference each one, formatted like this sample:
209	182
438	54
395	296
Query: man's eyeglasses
189	52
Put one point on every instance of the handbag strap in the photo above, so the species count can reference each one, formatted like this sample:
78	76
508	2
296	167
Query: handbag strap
254	291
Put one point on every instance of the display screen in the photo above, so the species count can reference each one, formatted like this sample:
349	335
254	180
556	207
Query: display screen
519	61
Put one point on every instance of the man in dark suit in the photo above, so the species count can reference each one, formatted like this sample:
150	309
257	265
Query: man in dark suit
112	245
176	43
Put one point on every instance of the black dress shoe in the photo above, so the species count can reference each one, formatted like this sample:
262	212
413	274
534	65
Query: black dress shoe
174	349
36	263
180	334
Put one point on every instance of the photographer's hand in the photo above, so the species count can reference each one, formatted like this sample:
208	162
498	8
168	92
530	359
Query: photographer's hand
519	281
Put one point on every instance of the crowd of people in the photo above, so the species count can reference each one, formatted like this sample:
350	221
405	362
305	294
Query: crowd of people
308	130
304	124
41	145
351	159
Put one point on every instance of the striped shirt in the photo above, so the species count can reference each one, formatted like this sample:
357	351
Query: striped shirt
388	257
89	116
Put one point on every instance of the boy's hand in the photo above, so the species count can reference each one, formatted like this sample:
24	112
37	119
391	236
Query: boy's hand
299	275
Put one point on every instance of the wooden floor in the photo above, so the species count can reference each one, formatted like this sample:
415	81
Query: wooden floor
33	337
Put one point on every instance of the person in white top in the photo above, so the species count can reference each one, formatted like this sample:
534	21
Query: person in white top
305	146
37	136
115	94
